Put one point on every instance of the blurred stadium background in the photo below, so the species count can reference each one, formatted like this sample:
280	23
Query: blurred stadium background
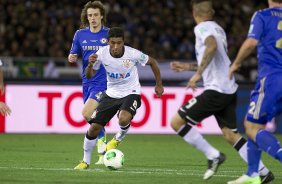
36	35
44	90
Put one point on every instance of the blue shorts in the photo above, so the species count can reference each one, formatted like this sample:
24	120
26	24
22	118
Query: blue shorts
266	99
92	91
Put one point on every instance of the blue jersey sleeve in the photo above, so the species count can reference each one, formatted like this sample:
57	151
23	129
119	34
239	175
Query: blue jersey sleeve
256	27
75	48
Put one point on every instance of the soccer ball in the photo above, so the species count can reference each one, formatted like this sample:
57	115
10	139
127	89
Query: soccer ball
114	159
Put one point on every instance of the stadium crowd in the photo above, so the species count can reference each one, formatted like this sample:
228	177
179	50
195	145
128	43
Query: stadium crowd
160	28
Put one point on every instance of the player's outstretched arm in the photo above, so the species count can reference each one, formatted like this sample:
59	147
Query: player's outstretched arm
156	70
246	49
89	71
180	66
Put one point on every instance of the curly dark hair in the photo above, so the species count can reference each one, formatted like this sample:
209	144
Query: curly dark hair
94	5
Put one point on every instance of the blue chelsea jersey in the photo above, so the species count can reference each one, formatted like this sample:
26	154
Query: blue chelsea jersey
266	27
86	43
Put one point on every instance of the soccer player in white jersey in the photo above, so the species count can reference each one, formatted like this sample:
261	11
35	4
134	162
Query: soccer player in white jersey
219	96
4	109
123	94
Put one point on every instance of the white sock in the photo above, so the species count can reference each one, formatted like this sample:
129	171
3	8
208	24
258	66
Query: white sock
241	147
194	138
88	148
121	134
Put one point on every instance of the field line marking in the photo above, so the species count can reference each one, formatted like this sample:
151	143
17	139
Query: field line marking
181	172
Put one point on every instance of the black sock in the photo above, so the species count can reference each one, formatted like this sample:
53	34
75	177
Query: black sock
89	137
238	145
184	130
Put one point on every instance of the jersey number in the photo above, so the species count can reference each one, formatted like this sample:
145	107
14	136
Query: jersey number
279	42
252	108
191	102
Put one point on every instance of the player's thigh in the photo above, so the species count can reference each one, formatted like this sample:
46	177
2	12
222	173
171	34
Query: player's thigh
177	122
130	104
93	98
107	108
200	107
226	118
265	101
252	129
89	108
124	117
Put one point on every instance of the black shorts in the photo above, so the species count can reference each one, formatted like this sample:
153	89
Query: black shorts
108	107
210	102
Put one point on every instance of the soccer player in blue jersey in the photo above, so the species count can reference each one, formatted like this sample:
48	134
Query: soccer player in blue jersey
266	99
87	40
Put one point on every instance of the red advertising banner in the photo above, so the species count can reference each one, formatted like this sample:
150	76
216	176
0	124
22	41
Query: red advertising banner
57	109
2	118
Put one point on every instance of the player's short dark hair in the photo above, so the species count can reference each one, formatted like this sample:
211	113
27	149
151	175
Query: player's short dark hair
116	32
94	5
277	1
193	2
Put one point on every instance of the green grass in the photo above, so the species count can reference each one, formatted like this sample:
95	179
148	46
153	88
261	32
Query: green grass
149	159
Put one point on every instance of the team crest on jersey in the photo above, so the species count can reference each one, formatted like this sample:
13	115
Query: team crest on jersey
126	63
143	56
103	40
202	30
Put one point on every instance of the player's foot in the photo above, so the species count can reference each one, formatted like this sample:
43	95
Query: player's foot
100	160
101	146
267	178
112	144
81	166
245	179
213	166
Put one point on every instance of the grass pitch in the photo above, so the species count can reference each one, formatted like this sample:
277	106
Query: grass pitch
149	159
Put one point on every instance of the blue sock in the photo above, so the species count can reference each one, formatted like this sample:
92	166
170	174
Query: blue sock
278	155
102	133
268	143
254	154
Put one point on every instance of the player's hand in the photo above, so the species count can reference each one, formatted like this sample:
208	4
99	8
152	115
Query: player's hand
2	89
159	90
193	81
72	58
233	68
92	59
178	66
4	109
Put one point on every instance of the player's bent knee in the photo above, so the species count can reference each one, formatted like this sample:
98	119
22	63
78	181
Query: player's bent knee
124	120
86	115
252	129
94	130
176	122
174	126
